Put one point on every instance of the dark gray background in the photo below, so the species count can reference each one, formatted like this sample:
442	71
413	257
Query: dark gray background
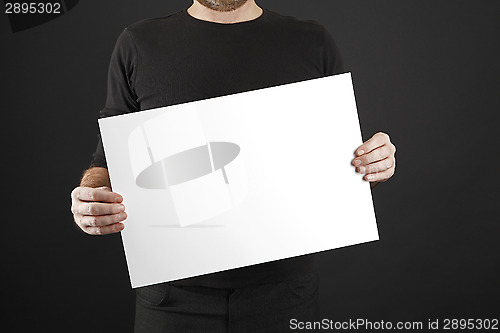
426	72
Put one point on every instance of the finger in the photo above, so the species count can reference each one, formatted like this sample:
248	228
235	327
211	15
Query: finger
109	229
98	208
377	140
102	220
101	194
375	155
379	176
377	166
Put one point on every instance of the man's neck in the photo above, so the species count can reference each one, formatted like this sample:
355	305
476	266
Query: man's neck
249	11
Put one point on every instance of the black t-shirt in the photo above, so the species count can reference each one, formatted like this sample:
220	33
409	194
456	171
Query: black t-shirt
178	59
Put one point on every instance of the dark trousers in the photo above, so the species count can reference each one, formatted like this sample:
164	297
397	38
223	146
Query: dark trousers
263	308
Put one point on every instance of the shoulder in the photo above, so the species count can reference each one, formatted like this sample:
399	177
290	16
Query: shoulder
308	29
311	38
154	25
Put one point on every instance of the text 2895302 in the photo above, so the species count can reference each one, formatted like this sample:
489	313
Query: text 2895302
32	8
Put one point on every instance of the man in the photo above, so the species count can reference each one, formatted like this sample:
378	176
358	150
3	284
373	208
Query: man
216	48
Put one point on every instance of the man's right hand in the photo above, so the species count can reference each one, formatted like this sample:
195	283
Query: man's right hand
98	211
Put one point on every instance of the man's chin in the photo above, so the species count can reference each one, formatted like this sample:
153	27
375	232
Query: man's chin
222	5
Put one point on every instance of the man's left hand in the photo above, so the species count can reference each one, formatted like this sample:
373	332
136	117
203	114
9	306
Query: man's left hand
376	159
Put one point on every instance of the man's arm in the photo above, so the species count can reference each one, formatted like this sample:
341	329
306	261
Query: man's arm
95	177
96	209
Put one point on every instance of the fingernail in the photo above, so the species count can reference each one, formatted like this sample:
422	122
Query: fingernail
118	199
361	152
122	208
357	162
362	170
369	177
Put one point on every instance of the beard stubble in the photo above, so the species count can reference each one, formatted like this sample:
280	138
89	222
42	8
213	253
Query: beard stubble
222	5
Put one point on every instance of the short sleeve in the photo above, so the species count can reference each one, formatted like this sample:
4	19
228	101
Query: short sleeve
331	57
121	97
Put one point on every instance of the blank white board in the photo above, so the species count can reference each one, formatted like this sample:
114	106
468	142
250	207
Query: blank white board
239	180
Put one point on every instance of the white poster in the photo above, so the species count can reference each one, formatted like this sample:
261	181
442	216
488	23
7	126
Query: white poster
239	180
